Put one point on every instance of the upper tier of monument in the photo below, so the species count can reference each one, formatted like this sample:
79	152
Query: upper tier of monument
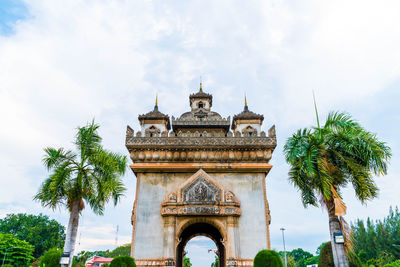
201	135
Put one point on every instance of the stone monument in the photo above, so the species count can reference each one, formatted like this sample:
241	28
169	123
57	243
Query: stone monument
200	174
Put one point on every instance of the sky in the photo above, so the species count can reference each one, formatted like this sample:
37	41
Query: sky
63	63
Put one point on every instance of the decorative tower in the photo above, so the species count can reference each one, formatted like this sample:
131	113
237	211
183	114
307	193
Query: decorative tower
154	123
200	179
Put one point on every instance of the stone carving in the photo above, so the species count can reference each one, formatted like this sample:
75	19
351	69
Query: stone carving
172	197
229	196
201	191
129	132
271	132
201	195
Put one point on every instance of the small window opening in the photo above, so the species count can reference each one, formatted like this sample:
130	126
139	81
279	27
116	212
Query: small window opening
201	105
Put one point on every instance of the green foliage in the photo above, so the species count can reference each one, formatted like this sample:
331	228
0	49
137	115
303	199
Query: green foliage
354	260
51	258
319	248
15	252
371	239
297	254
290	261
326	256
105	265
123	261
93	174
37	230
308	261
267	258
7	265
124	250
186	262
83	256
299	257
339	153
216	262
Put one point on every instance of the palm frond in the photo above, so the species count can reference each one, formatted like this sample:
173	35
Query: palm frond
87	139
55	157
340	120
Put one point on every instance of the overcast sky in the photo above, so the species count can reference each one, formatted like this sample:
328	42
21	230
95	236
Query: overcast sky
63	63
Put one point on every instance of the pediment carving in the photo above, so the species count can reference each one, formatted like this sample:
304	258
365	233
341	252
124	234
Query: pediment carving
201	195
201	191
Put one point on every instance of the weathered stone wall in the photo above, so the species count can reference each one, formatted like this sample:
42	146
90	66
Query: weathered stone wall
151	239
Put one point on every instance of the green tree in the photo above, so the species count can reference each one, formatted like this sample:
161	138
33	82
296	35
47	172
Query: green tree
51	258
124	250
123	261
186	262
267	258
14	251
90	176
299	254
325	159
216	262
37	230
372	239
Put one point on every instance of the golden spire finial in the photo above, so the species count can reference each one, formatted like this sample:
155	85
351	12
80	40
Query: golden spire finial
156	105
245	103
201	85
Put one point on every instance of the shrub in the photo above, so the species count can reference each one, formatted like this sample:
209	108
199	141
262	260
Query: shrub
7	265
354	260
326	257
51	258
267	258
123	261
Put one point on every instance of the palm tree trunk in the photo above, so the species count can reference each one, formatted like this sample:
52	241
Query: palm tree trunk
339	254
72	231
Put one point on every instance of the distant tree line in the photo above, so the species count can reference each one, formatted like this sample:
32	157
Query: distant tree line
378	242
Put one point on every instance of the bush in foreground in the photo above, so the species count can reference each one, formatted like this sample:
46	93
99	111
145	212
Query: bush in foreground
267	258
123	261
51	258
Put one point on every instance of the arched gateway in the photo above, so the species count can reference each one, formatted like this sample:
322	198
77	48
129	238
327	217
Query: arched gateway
200	179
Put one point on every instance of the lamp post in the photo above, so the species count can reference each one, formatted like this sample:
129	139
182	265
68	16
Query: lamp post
284	247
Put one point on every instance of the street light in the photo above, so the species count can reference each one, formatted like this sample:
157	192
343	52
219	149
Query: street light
284	247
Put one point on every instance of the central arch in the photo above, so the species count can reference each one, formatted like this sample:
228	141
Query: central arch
200	228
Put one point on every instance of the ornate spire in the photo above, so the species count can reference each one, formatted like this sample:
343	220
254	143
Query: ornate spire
246	108
156	105
201	85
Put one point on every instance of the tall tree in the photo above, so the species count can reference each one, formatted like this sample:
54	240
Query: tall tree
37	230
91	176
325	159
15	251
377	237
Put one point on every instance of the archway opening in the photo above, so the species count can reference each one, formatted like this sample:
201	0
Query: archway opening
201	251
200	229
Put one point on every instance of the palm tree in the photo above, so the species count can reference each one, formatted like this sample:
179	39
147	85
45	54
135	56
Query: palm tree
91	176
325	159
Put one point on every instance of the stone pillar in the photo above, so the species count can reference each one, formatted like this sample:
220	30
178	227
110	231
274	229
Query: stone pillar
169	240
233	241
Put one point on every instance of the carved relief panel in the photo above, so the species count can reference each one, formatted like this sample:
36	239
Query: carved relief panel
201	191
201	195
